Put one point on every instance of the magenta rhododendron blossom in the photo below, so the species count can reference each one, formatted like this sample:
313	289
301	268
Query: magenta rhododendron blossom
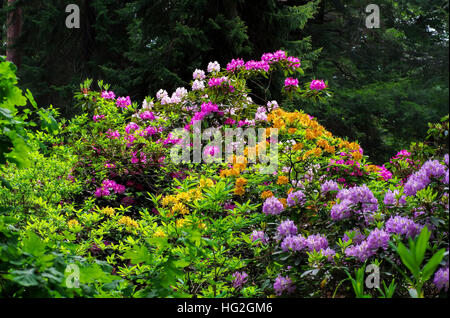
317	85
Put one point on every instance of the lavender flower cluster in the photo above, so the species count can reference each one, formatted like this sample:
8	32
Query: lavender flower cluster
350	199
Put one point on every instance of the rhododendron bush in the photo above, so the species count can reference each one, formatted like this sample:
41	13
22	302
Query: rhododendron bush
298	212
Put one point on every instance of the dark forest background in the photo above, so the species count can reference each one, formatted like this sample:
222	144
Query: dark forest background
387	83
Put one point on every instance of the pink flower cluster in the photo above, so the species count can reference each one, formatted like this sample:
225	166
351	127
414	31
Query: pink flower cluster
235	64
317	85
274	57
221	82
290	83
147	115
109	186
206	109
97	118
123	102
108	95
113	134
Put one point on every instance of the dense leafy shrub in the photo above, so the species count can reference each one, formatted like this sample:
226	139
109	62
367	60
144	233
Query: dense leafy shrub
137	223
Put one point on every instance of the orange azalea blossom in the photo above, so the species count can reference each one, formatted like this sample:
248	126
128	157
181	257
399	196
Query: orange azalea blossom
297	147
241	182
282	180
266	194
292	130
356	155
283	202
239	191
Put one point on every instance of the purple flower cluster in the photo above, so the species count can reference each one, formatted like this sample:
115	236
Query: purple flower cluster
286	228
358	237
272	206
328	186
259	235
350	199
295	198
293	243
328	253
123	102
283	284
375	240
422	178
239	279
402	226
441	279
378	239
390	199
316	242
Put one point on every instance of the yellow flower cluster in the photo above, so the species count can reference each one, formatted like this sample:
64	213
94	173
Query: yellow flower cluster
313	131
159	233
108	211
73	223
177	202
128	222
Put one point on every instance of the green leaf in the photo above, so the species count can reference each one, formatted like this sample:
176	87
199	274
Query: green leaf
432	264
139	255
33	245
408	259
421	245
25	277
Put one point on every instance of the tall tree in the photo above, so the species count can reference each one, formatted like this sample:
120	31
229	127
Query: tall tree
14	30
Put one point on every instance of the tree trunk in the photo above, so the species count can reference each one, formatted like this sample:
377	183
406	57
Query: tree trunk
14	29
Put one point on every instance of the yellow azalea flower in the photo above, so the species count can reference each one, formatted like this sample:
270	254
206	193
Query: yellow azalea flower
202	226
240	182
239	191
129	222
266	194
169	200
282	180
73	223
182	222
159	233
108	211
283	202
180	208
